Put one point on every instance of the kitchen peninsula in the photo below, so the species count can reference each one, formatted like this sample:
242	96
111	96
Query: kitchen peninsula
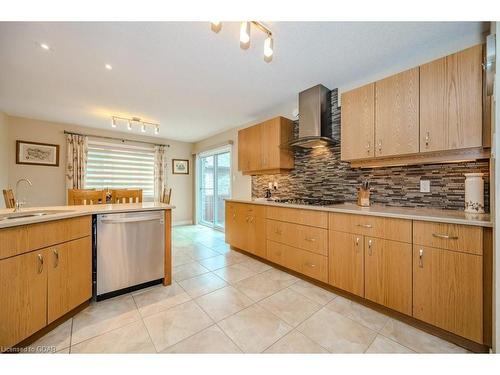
46	265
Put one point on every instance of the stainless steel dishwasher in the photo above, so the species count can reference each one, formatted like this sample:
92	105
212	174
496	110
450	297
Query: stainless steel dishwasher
129	252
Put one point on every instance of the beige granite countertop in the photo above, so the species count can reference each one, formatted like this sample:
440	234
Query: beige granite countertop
64	212
424	214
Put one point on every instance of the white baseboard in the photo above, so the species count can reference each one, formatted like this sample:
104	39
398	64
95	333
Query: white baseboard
182	222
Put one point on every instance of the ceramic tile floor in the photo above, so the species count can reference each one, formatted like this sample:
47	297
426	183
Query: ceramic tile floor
222	301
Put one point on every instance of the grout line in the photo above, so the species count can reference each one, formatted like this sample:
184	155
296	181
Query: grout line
71	335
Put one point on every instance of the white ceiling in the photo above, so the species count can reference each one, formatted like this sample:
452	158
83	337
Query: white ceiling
194	82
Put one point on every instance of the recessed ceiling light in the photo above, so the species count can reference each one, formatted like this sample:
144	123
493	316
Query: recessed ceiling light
109	67
45	46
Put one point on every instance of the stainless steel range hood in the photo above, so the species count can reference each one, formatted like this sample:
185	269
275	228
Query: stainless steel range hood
315	127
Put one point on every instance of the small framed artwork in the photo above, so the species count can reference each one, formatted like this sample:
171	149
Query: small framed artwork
34	153
180	166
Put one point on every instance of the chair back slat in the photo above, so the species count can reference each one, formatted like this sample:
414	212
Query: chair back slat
86	197
166	195
126	196
8	196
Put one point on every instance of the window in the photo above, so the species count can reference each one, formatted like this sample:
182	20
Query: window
120	166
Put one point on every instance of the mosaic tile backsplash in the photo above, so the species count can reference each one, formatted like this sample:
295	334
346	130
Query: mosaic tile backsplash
319	173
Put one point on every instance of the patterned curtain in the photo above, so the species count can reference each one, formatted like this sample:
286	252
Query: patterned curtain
76	161
160	171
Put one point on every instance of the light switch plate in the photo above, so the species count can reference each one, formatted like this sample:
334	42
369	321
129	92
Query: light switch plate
425	186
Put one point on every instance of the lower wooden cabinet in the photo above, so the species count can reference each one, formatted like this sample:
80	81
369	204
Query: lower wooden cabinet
69	276
346	262
447	290
388	273
246	227
23	296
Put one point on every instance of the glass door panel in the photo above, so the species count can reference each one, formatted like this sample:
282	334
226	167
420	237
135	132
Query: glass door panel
223	186
207	189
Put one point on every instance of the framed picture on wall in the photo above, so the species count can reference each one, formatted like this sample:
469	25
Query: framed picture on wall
180	166
34	153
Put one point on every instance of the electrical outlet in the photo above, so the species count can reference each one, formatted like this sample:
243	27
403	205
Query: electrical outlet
425	186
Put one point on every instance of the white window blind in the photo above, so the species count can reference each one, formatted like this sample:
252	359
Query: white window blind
120	166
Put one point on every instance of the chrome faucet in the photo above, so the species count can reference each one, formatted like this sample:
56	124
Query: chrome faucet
18	204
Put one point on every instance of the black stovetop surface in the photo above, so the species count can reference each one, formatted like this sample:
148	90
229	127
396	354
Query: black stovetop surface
309	201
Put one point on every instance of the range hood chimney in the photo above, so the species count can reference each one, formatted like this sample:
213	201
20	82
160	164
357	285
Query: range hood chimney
315	127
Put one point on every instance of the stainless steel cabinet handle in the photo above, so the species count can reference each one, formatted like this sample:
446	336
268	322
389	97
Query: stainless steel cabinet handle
310	239
130	220
311	265
421	258
380	145
40	263
365	225
427	139
56	254
370	251
246	219
357	244
445	236
368	148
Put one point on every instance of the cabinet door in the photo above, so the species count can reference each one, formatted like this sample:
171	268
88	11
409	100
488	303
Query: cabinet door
244	150
69	276
230	223
269	134
23	296
397	114
255	235
346	265
451	102
447	290
358	123
388	273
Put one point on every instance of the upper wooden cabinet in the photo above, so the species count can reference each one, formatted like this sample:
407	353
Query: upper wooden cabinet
451	102
263	148
397	115
358	123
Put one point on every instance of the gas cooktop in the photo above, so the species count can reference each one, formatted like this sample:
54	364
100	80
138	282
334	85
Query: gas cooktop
309	201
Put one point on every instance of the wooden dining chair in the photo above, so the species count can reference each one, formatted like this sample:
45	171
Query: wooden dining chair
126	196
10	200
166	195
86	197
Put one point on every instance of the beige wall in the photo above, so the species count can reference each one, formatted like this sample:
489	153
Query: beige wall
4	155
49	186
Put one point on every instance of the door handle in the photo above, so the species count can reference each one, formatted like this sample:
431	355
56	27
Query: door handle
427	139
310	239
421	258
357	244
40	263
312	265
56	255
365	225
278	232
445	236
370	251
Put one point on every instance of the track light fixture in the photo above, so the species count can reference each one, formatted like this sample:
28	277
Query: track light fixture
245	29
115	120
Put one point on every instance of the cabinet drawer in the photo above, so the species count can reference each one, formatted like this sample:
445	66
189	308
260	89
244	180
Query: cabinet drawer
373	226
276	252
464	238
309	264
295	215
55	232
308	238
13	241
250	209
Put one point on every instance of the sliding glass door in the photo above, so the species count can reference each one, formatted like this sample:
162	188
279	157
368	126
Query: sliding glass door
214	181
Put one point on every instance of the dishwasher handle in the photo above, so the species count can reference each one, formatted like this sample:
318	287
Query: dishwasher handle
131	220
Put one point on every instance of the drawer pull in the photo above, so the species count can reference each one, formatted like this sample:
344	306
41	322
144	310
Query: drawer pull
56	255
310	239
278	232
445	236
365	225
40	263
311	265
357	244
370	251
421	258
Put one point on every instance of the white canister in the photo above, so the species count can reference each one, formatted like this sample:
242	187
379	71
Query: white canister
474	193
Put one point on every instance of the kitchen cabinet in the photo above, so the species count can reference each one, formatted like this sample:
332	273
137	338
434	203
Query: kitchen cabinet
39	285
358	123
69	276
388	273
263	148
346	262
23	292
451	102
397	114
447	290
246	227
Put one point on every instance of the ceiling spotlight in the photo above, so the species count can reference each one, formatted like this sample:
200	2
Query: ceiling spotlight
109	67
245	35
45	46
113	122
143	128
216	26
157	129
129	125
268	49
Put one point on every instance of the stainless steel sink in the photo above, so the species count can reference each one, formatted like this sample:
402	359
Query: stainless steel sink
25	214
